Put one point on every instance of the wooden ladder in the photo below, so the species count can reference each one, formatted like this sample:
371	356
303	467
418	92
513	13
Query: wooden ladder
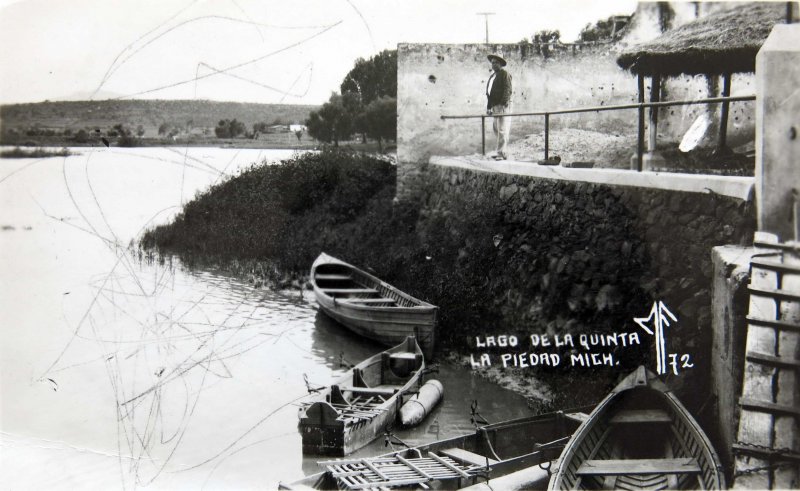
767	452
395	471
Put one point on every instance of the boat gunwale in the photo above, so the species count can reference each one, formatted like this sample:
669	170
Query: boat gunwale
325	258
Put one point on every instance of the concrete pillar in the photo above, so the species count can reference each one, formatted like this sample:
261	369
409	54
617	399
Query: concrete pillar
778	130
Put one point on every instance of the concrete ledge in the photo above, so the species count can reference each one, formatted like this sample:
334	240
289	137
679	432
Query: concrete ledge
731	186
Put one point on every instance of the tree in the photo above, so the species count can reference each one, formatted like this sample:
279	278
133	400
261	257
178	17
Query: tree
335	120
370	80
126	138
140	131
603	30
546	40
121	130
229	128
373	78
381	117
546	37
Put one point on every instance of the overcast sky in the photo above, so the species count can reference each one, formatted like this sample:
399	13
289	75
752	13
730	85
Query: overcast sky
292	51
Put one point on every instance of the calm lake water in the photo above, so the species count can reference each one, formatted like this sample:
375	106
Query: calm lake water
118	373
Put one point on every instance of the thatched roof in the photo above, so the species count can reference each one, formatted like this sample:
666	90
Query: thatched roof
724	41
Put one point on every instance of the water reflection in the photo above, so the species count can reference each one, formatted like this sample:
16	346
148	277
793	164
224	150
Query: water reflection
119	372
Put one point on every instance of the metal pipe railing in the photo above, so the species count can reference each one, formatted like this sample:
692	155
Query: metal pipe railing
641	106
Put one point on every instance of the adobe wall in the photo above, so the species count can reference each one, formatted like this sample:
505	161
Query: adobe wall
445	79
437	79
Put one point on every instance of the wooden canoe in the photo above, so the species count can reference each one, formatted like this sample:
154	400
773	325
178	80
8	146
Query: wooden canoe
356	408
370	307
493	450
639	437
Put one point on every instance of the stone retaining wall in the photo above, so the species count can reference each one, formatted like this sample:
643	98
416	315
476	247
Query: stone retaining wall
580	256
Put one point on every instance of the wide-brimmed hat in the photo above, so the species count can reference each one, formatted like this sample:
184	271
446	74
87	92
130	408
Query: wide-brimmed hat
497	57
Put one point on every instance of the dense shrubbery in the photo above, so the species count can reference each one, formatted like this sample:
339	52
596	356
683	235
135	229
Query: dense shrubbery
248	217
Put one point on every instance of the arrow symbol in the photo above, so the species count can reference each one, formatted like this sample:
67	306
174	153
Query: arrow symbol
659	316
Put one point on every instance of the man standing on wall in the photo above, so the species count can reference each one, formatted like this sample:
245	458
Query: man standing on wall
498	92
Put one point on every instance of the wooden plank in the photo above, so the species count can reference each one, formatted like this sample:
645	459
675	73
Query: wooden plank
775	293
447	464
467	457
368	300
770	454
392	483
775	324
321	276
773	361
757	427
776	246
638	466
641	416
768	407
349	290
414	467
777	266
374	469
405	355
787	385
370	390
756	480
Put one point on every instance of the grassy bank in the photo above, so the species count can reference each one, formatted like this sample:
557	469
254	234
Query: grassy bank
33	153
270	222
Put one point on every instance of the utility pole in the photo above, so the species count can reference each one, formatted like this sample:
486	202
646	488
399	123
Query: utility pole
486	19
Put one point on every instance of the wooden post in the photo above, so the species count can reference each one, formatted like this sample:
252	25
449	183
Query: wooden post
546	136
483	135
723	117
640	142
655	96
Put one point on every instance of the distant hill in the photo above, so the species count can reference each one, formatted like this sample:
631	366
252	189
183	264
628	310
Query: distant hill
150	114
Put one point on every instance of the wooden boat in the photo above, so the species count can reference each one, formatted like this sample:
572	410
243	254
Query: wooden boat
492	451
357	408
370	307
639	437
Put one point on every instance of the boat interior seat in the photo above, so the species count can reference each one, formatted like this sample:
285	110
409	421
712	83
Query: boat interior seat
622	467
349	290
381	391
371	300
403	355
467	457
648	416
333	277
